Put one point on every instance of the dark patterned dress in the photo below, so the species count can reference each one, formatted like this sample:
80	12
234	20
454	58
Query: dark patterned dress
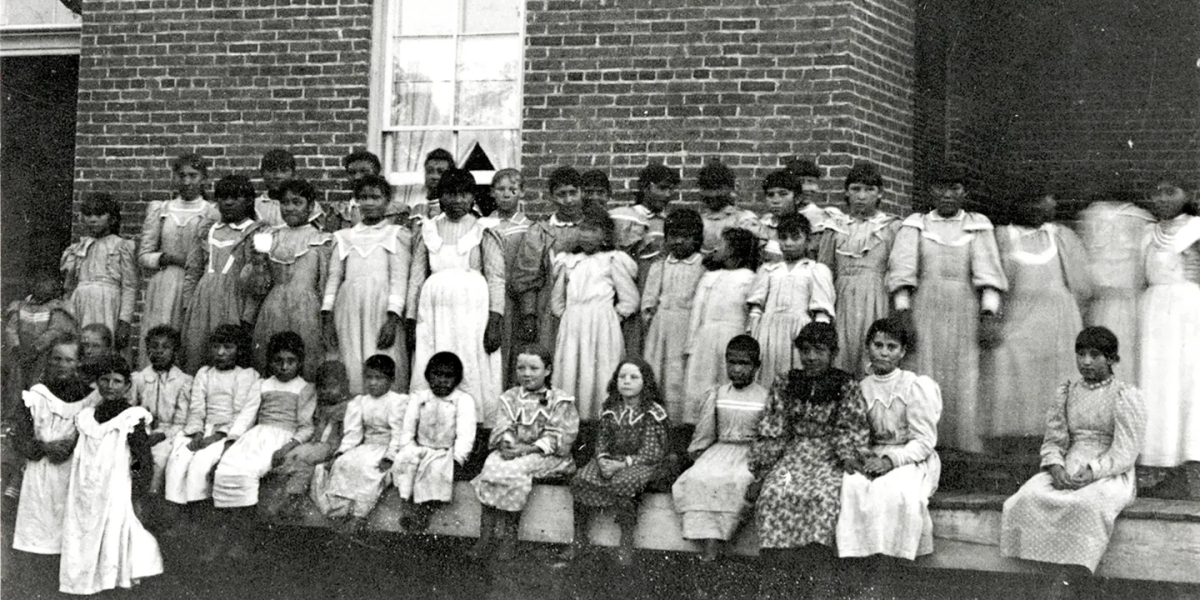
633	434
812	425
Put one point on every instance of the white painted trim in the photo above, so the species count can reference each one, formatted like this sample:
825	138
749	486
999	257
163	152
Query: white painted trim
40	40
376	98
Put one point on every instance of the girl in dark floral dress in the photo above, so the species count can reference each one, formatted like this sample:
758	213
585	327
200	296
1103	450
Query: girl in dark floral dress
631	450
813	430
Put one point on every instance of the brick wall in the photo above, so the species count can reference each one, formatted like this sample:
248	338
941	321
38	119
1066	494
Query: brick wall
225	78
614	84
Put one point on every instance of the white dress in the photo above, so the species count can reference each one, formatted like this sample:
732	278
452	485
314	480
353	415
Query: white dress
890	514
438	432
104	544
1170	329
38	528
352	483
783	299
719	314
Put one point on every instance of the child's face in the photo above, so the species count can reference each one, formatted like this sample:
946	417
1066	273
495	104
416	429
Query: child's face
224	355
442	381
161	352
456	206
656	196
721	253
97	225
376	383
1093	365
793	246
1168	201
275	178
885	353
91	343
507	193
113	387
531	372
63	363
595	196
360	168
681	246
189	182
285	364
809	186
433	175
295	209
863	198
949	198
780	201
568	202
815	358
717	199
591	239
741	367
234	209
1043	210
629	381
46	289
332	391
371	204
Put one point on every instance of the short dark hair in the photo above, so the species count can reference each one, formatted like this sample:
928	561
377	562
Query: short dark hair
446	360
288	341
818	334
684	222
277	159
543	353
111	362
783	178
597	218
864	173
361	155
381	363
893	328
595	178
456	181
190	159
228	333
1100	339
439	154
375	181
234	186
802	167
102	203
166	332
792	224
743	248
102	329
563	176
949	174
747	344
715	175
657	173
302	188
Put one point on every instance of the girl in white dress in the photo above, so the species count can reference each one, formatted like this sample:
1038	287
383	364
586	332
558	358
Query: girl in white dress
104	543
284	414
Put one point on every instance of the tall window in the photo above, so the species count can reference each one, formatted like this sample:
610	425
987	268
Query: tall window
453	80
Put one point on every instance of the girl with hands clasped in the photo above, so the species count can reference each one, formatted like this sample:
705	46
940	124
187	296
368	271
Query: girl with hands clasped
1094	430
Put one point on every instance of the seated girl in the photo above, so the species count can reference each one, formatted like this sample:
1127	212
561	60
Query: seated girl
350	486
283	414
1065	514
815	428
164	390
439	432
885	506
631	447
535	428
711	496
104	544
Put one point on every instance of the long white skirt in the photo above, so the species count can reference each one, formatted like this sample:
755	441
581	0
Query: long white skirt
711	496
351	486
189	474
38	528
235	483
890	514
1170	328
452	317
424	474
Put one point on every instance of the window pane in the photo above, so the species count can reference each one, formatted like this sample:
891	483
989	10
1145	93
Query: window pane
492	58
422	103
424	59
422	17
503	147
491	16
493	103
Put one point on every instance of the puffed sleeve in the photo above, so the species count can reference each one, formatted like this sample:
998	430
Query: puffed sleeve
1129	431
492	250
417	274
827	247
1057	440
528	275
854	431
558	293
150	246
624	275
822	297
630	228
399	266
654	282
505	426
986	271
923	409
68	265
760	287
464	428
129	279
247	397
304	414
706	428
198	405
654	438
773	434
904	263
197	260
412	417
352	426
396	415
337	272
696	318
323	249
561	429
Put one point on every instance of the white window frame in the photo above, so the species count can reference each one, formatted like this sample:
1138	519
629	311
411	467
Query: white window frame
386	20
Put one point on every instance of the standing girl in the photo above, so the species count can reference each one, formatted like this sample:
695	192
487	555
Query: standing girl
284	415
511	225
535	428
368	278
298	264
216	288
786	296
170	233
100	272
667	304
594	289
456	293
631	451
719	313
1170	329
